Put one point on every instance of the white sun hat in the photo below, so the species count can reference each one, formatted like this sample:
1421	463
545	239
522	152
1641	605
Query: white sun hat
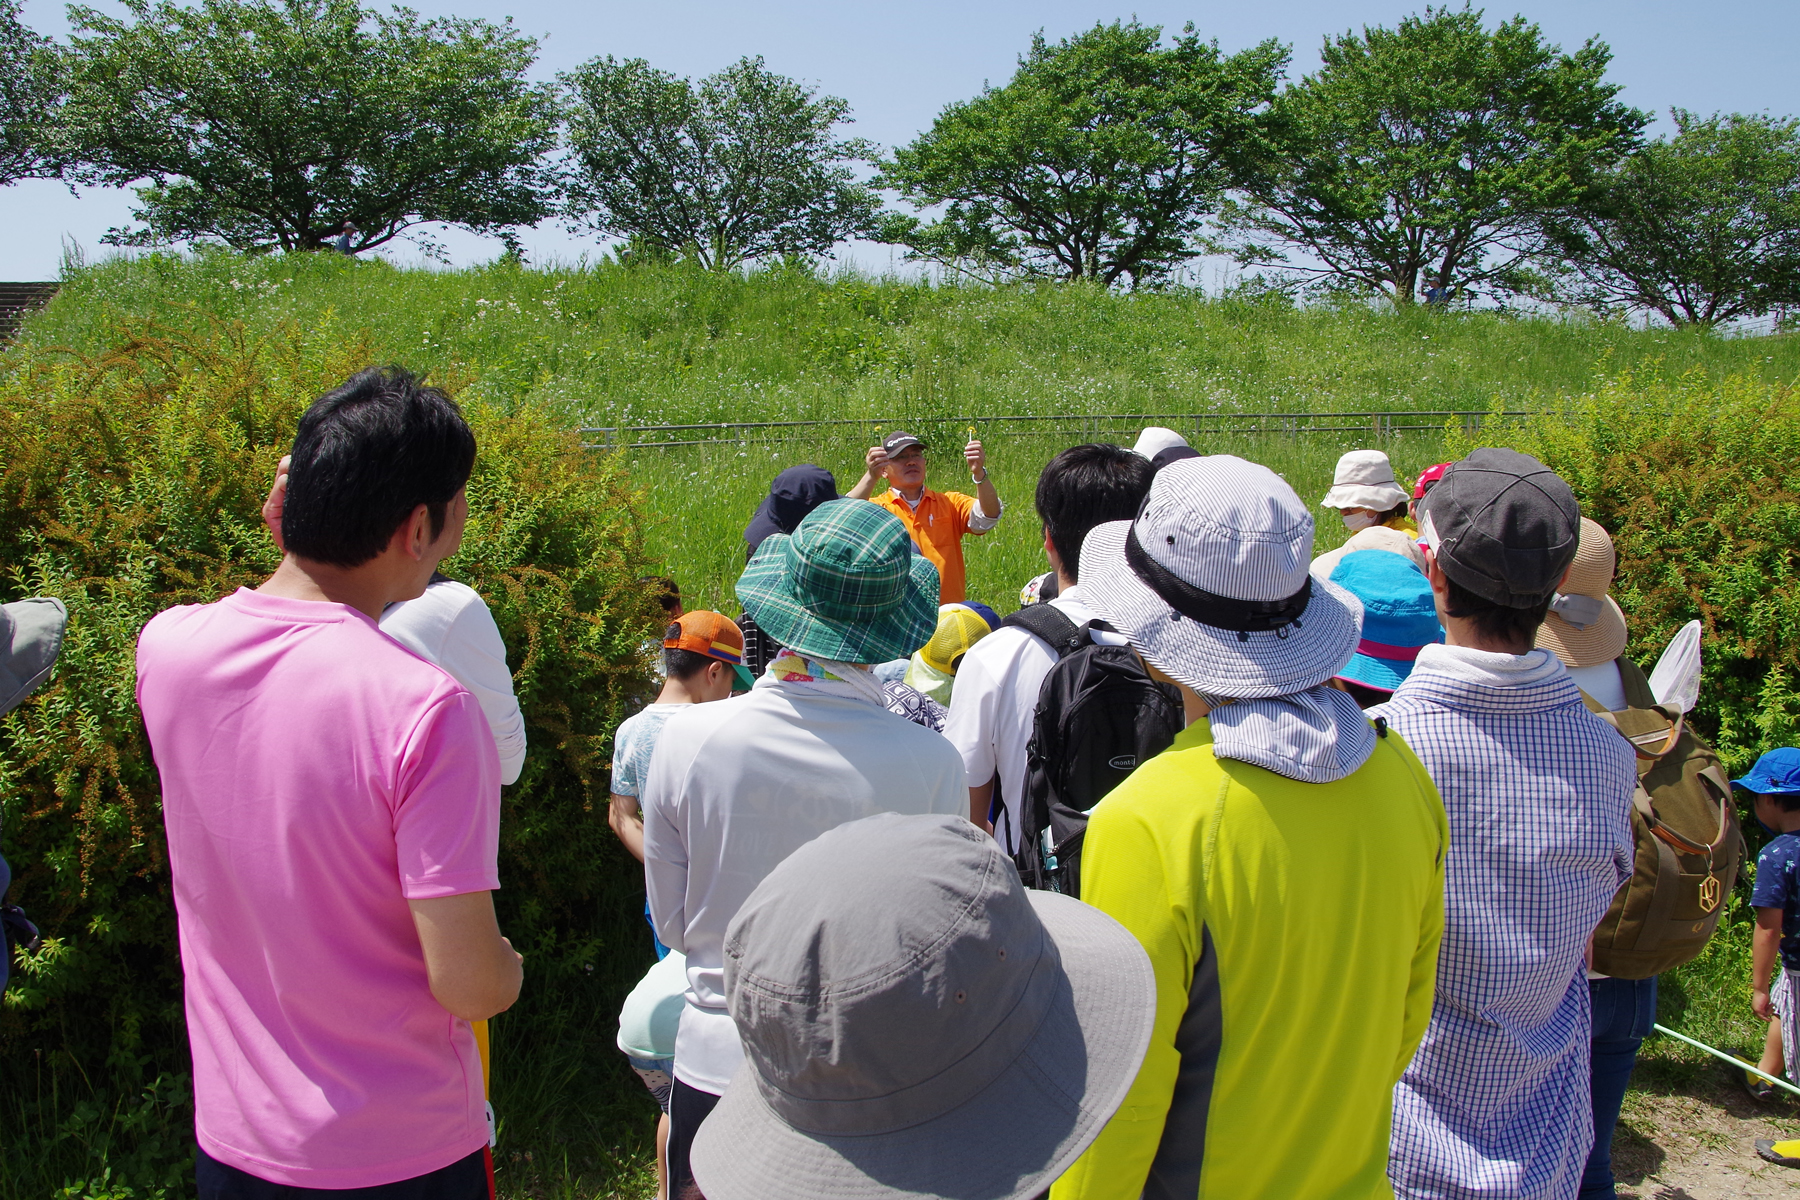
1210	582
1155	439
1365	479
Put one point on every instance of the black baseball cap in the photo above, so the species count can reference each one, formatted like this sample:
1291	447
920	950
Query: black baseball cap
899	440
1504	526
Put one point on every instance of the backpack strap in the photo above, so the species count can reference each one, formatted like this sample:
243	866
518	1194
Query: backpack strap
1050	623
1637	685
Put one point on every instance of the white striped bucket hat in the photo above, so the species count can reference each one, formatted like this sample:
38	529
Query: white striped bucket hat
1210	583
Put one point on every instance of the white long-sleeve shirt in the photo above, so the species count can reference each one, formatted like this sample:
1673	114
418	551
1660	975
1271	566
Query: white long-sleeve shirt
736	786
451	626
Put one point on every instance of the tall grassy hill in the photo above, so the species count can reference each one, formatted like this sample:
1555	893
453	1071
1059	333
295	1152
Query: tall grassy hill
1689	444
613	346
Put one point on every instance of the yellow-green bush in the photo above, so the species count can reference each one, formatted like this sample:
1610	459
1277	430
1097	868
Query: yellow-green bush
1698	481
132	482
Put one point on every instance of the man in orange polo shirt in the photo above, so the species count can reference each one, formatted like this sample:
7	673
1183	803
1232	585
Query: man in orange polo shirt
936	520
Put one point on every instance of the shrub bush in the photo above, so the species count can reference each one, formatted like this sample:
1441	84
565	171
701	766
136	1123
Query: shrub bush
1698	481
133	481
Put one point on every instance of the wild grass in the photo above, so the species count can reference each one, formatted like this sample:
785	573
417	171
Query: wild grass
613	345
609	346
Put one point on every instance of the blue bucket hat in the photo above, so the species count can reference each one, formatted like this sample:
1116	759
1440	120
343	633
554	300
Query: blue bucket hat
1399	617
1776	773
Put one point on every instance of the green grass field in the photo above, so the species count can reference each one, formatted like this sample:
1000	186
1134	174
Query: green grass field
615	347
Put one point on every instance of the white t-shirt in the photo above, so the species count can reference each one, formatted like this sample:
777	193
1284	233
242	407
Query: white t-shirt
738	785
990	711
450	625
1602	682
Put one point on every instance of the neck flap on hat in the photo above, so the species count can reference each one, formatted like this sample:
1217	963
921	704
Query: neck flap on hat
1315	736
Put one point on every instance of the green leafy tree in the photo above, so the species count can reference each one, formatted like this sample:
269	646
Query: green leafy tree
31	93
1437	146
1101	158
269	123
743	165
1702	227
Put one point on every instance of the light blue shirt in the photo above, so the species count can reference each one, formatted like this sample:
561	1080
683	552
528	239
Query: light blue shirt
633	745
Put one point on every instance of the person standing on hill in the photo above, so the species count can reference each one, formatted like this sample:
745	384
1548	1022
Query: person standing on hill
936	521
738	785
996	697
1496	1102
332	802
1282	862
1366	494
1585	628
792	494
449	625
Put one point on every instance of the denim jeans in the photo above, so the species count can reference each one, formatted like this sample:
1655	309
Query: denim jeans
1624	1011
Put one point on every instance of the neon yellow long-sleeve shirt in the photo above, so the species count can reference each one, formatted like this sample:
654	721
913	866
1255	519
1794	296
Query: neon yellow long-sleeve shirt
1294	931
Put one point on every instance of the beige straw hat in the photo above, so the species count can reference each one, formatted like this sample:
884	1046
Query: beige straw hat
1585	626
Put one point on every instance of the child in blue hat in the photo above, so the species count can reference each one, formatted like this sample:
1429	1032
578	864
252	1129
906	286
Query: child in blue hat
1399	620
1775	994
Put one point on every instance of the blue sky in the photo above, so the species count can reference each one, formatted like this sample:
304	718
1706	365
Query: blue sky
899	64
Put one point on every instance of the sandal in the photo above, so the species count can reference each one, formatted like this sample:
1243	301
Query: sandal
1785	1153
1760	1089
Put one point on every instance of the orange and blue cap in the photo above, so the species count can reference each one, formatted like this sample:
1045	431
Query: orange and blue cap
712	634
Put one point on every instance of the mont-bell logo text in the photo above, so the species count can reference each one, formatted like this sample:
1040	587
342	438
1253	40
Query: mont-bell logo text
1124	762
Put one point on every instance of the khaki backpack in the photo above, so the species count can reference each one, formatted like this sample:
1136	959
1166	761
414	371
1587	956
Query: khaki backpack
1689	846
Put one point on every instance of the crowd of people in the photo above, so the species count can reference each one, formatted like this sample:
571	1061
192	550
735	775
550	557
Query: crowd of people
1317	845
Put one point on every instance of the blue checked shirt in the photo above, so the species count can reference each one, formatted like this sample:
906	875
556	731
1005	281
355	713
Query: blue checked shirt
1538	791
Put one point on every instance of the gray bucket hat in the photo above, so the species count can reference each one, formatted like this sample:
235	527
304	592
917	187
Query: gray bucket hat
916	1023
31	636
1210	582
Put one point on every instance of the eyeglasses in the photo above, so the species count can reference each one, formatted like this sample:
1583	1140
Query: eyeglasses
912	455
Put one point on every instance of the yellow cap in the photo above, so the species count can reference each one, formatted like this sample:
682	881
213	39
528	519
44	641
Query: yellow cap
958	628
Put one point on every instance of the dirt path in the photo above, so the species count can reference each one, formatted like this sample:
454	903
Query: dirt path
1698	1142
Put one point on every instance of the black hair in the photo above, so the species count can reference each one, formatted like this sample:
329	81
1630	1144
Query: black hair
1394	513
1085	486
1495	621
1785	801
685	664
1364	695
668	593
365	457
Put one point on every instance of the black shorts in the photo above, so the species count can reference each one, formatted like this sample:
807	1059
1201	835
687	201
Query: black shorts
464	1179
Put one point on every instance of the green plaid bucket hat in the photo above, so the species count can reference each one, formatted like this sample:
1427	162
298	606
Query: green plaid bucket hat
845	586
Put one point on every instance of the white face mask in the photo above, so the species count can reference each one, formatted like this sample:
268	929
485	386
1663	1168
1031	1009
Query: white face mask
1354	521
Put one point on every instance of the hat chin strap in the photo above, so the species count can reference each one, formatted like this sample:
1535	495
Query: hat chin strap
1209	608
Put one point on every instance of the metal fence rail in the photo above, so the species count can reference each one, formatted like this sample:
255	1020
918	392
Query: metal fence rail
1378	424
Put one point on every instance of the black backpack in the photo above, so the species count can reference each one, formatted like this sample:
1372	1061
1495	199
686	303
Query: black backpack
1099	714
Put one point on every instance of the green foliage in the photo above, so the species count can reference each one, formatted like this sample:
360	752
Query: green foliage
1100	159
1701	228
741	166
1437	144
132	482
674	343
31	93
268	123
1698	481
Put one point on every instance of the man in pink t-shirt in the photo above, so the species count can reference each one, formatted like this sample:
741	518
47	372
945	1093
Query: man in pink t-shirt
332	803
